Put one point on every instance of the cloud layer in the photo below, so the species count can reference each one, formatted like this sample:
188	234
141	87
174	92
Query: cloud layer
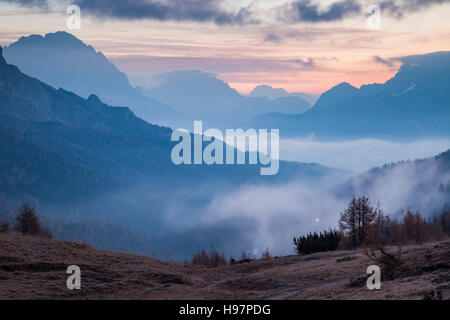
399	8
358	155
176	10
309	11
214	11
378	59
168	10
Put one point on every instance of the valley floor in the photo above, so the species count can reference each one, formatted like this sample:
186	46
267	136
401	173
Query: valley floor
35	268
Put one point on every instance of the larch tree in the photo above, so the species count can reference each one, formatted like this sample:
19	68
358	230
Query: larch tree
348	222
357	221
436	229
366	214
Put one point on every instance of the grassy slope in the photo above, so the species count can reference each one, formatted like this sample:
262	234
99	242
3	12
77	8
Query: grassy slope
35	268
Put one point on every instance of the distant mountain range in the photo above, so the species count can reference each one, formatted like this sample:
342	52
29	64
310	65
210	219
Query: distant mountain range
63	61
204	95
415	103
275	93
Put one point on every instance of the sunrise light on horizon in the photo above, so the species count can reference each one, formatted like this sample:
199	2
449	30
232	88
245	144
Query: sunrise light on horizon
298	53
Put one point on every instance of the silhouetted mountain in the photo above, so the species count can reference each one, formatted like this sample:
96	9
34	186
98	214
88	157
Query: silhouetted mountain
203	94
268	91
336	95
415	103
274	93
63	61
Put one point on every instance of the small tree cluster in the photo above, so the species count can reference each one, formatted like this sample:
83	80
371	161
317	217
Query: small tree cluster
314	242
247	256
414	229
213	259
362	224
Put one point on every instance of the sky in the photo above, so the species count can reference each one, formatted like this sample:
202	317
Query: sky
299	45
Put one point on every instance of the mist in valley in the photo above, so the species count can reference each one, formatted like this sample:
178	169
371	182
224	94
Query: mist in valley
251	217
359	155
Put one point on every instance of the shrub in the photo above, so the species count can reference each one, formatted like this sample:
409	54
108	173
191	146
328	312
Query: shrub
4	227
46	233
314	242
213	259
266	254
389	262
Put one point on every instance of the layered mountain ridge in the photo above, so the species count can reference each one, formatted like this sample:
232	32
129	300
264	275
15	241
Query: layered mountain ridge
415	103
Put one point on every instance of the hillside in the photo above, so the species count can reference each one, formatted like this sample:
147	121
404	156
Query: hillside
35	268
422	184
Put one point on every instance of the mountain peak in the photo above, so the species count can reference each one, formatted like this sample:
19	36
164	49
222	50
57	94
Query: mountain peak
2	59
265	90
59	39
94	99
61	35
344	85
336	95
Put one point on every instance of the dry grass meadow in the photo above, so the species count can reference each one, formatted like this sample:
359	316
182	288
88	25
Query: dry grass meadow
35	268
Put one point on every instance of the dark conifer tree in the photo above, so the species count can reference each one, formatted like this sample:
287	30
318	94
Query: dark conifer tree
27	221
